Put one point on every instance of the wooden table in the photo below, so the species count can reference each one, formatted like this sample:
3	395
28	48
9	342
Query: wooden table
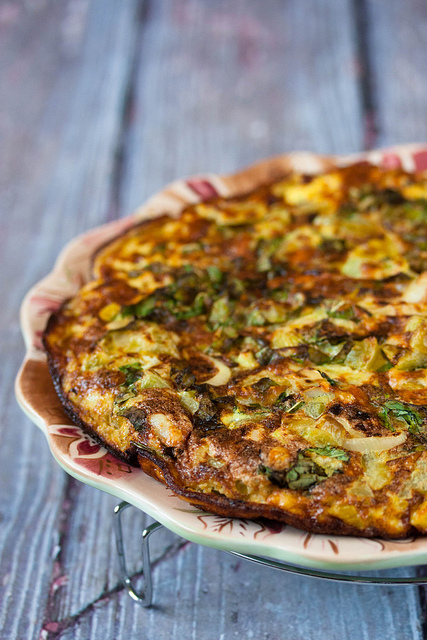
102	103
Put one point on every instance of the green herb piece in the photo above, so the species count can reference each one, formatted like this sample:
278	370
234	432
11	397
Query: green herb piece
255	318
236	287
143	447
405	413
298	360
196	309
137	417
207	410
264	356
215	274
287	403
344	313
121	398
331	381
263	384
220	311
183	378
276	477
282	398
239	416
304	474
330	452
265	251
279	295
386	367
385	418
132	373
145	307
126	311
295	407
140	309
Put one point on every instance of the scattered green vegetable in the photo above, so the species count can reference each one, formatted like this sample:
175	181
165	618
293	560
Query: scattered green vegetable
263	384
287	403
403	412
136	416
305	473
330	452
132	372
215	274
331	381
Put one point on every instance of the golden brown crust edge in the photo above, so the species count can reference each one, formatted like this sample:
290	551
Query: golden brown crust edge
230	508
214	504
163	471
129	456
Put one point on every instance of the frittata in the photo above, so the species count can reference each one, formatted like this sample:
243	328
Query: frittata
265	355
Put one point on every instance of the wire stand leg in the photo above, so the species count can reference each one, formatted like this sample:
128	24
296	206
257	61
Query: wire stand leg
144	598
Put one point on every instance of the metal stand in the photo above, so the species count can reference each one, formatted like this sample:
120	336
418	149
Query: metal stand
145	598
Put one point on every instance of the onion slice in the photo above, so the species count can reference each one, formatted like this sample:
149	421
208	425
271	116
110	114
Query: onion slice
222	375
347	426
373	443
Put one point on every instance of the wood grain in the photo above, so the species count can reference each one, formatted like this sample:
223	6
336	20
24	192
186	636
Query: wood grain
101	104
64	70
221	85
398	41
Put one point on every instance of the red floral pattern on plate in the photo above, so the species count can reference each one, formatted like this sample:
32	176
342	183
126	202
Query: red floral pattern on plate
420	160
202	188
88	453
391	161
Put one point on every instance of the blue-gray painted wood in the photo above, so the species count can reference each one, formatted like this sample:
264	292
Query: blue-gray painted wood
221	85
398	41
102	103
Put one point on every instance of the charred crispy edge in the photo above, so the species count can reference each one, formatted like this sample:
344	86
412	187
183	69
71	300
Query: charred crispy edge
163	471
238	184
160	469
130	455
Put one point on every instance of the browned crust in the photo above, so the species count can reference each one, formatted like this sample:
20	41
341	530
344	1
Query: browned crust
129	456
164	472
268	171
231	508
163	469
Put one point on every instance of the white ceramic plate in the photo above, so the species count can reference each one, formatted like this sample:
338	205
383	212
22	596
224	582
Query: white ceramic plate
87	461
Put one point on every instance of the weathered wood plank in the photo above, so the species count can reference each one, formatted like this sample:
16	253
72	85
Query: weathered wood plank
64	67
398	40
202	593
223	84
